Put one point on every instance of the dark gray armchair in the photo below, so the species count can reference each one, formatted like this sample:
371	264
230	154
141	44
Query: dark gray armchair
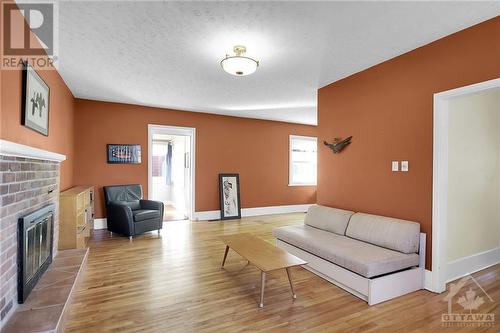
128	214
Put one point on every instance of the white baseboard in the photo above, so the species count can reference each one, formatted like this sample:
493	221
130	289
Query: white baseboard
207	215
256	211
458	268
100	224
428	281
245	212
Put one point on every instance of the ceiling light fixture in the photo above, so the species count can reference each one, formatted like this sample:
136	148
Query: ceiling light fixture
239	64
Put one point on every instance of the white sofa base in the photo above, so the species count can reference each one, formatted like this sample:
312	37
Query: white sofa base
374	290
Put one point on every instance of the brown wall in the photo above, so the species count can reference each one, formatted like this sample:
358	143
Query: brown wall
61	136
256	149
389	110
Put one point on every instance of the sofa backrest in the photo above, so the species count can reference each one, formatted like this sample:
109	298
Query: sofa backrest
124	194
328	219
391	233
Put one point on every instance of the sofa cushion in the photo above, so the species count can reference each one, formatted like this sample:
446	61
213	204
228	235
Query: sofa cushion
329	219
394	234
362	258
145	214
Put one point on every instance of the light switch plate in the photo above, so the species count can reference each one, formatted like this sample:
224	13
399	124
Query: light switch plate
404	166
395	166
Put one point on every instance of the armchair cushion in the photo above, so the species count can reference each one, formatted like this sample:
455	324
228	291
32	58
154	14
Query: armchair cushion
134	205
145	214
150	204
128	193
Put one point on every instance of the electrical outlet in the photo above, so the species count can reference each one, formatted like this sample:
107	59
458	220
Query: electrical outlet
395	166
404	166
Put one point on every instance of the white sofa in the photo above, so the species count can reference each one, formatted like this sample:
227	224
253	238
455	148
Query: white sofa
373	257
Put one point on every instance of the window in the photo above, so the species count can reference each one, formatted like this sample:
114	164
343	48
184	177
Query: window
303	151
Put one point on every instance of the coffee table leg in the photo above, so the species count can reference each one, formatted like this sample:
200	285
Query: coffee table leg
290	280
225	256
262	287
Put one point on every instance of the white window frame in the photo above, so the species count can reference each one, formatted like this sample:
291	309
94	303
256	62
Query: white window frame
291	138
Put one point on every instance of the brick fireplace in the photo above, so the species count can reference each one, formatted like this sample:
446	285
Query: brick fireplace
29	181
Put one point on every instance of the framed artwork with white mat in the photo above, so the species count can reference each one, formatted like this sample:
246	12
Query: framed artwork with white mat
36	101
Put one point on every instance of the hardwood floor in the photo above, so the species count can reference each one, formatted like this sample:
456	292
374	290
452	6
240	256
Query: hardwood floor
173	214
174	284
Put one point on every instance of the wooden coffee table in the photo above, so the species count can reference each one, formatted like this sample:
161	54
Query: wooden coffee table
263	255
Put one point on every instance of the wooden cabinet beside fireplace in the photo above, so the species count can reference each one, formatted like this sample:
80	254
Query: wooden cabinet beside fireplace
76	217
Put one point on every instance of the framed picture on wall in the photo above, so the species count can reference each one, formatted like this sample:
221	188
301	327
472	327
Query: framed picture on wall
229	187
124	154
36	93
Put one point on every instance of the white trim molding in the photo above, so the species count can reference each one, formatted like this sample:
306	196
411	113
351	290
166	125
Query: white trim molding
8	148
208	215
255	211
175	130
100	223
438	277
428	280
467	265
290	162
245	212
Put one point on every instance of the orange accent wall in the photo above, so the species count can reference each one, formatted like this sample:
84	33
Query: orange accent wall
256	149
388	109
61	124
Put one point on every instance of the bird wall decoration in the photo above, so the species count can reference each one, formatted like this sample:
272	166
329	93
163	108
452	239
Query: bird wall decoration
338	144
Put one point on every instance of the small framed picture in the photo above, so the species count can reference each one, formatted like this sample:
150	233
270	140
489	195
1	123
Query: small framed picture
229	187
124	154
36	93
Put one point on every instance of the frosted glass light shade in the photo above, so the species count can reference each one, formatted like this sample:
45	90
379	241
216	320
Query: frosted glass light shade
239	65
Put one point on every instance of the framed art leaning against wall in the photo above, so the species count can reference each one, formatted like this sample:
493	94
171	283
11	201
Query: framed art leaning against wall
229	187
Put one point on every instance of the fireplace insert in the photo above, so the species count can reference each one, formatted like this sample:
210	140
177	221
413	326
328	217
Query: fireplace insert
35	239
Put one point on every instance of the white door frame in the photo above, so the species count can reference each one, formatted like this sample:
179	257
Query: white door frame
174	130
438	278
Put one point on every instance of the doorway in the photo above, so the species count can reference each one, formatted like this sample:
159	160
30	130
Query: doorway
171	170
466	187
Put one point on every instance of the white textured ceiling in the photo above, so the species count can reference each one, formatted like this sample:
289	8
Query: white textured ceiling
167	54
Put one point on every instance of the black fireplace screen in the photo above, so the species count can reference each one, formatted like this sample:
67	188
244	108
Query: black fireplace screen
35	239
